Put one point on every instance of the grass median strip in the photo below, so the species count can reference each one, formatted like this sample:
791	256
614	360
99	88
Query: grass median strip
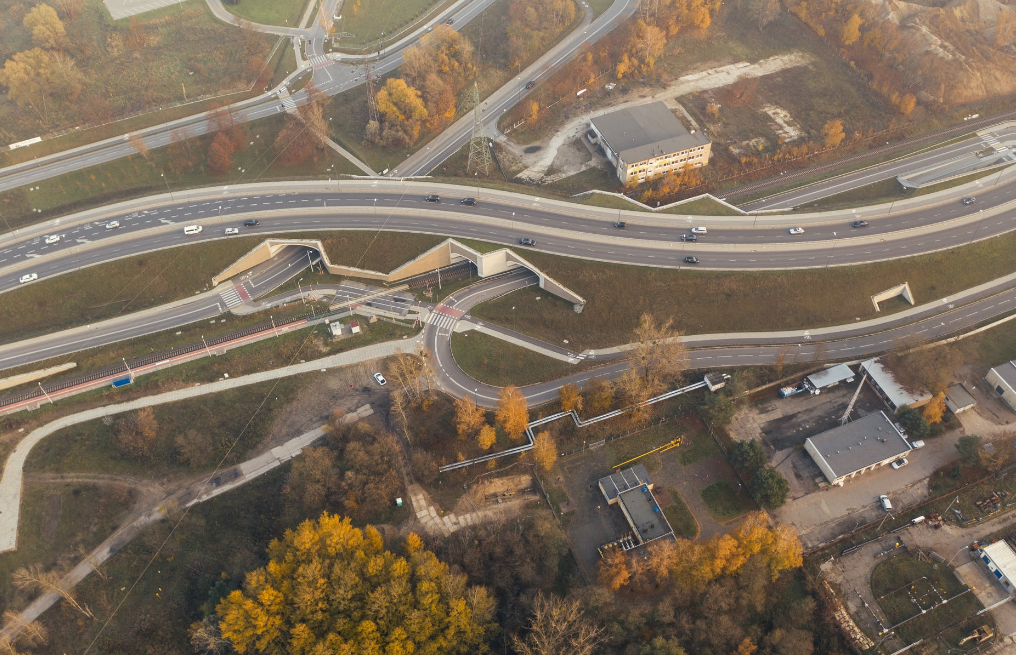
490	360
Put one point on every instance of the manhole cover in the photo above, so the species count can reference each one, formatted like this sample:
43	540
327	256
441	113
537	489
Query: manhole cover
532	149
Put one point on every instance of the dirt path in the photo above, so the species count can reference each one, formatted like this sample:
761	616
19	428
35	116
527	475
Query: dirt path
540	162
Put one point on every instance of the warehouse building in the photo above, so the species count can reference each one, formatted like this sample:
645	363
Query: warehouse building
958	399
648	141
1003	380
857	447
895	395
632	490
1001	561
829	377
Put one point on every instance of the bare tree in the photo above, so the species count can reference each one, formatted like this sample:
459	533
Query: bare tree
33	578
656	354
94	563
139	144
22	633
763	11
206	637
558	626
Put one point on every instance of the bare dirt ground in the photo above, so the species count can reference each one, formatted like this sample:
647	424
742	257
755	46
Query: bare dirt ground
540	162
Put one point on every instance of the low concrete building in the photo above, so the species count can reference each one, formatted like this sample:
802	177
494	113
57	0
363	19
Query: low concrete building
829	377
1001	561
648	141
857	447
632	490
1003	380
958	399
895	395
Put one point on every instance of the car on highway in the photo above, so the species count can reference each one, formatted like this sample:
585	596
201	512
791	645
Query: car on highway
112	225
51	239
526	241
432	198
691	260
689	237
620	225
859	224
900	463
699	230
886	505
969	200
449	21
251	222
230	231
28	277
530	84
193	229
380	379
796	230
468	201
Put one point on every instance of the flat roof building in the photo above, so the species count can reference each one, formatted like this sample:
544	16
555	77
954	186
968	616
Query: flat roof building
958	399
895	395
1003	380
830	377
857	447
1001	561
648	141
632	490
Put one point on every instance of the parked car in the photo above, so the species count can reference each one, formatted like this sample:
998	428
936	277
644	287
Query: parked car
620	225
193	229
526	241
28	277
468	201
859	224
51	239
796	230
251	222
380	379
232	230
689	237
699	230
691	260
432	198
917	444
969	200
886	505
530	84
112	225
900	463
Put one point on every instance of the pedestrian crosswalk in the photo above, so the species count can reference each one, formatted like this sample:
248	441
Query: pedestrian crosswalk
231	297
441	321
319	61
992	141
289	103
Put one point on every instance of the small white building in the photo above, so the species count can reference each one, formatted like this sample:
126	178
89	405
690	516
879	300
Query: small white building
958	399
1001	561
829	377
895	395
1003	380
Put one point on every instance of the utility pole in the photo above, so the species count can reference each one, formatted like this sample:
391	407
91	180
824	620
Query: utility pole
372	112
130	373
43	390
479	152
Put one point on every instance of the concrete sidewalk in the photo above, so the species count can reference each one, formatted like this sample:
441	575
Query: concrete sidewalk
13	473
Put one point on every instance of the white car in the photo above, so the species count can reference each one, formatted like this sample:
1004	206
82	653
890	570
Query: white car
29	277
112	225
51	239
886	505
380	379
193	229
900	463
796	230
232	230
699	230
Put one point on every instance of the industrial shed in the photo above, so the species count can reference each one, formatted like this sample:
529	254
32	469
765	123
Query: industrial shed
857	447
1001	561
1003	380
632	490
894	394
958	399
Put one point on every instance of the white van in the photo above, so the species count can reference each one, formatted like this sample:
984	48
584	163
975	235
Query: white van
192	229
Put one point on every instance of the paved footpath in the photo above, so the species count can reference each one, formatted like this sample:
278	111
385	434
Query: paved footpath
13	473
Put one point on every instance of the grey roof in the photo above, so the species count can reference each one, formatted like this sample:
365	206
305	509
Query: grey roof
1007	372
830	376
644	132
885	380
960	397
626	480
859	444
646	516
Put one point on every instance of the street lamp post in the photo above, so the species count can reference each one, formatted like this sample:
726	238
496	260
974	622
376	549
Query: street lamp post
304	300
43	390
957	553
207	351
130	373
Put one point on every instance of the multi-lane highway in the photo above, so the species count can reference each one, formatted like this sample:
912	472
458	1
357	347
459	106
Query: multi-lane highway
931	223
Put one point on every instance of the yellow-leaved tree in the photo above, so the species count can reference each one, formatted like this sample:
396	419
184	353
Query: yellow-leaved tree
512	414
331	588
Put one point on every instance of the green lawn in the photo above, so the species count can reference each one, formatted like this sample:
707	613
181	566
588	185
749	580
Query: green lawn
698	445
626	448
679	516
927	584
706	302
886	191
368	19
493	361
724	502
702	207
270	12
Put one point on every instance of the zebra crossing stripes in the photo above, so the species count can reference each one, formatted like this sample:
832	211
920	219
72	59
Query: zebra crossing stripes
992	141
441	321
319	61
231	297
289	103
